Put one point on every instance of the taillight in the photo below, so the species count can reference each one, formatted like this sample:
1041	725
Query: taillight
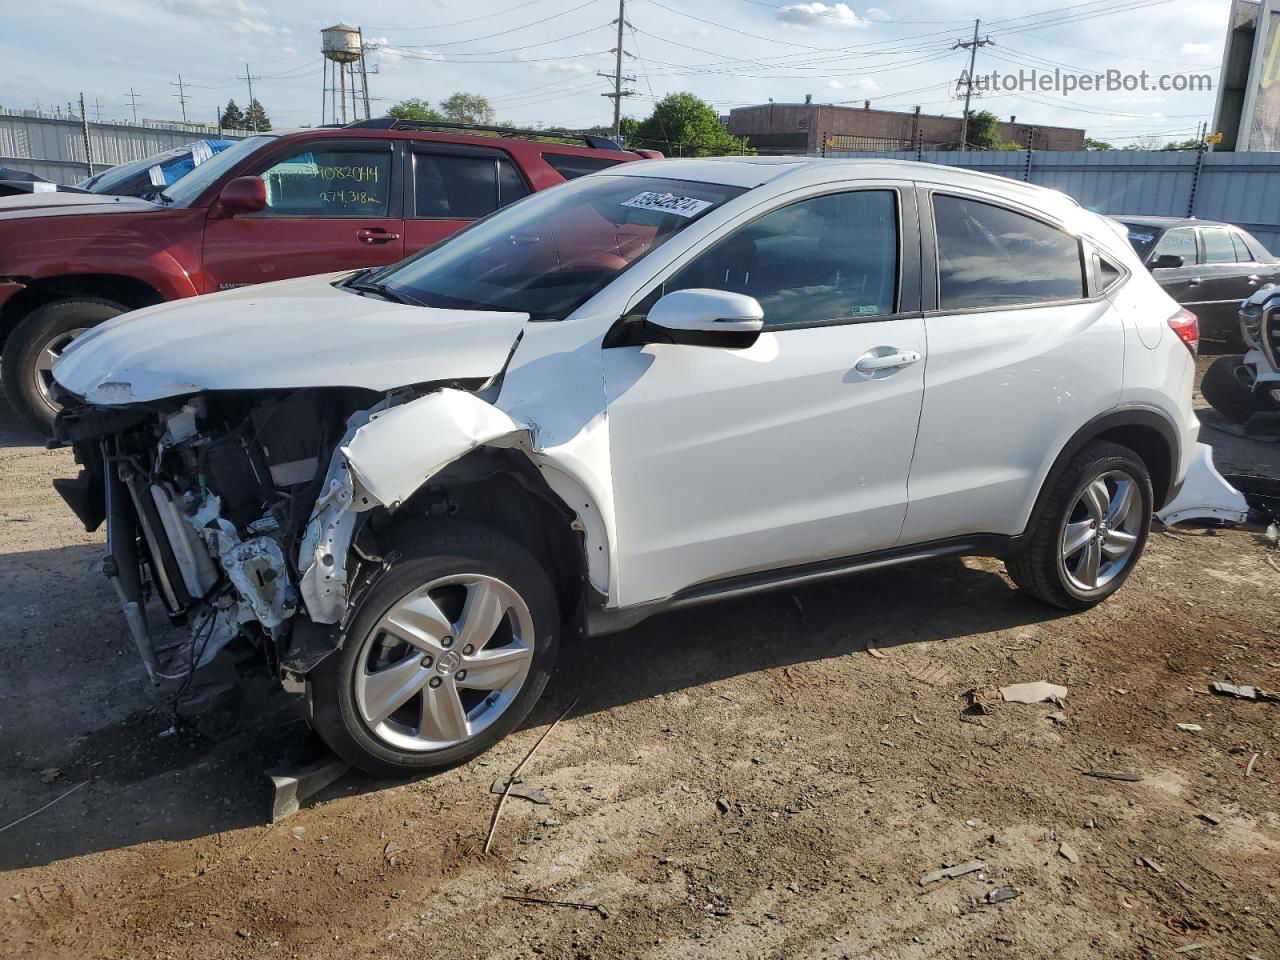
1185	324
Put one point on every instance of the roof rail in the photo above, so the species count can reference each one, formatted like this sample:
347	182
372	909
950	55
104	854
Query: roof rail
396	123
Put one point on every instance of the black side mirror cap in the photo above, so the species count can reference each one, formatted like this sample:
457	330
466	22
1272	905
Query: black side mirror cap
1166	261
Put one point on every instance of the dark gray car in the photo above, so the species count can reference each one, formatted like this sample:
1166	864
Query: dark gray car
1206	266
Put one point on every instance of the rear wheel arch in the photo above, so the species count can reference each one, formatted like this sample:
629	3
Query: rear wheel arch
1147	432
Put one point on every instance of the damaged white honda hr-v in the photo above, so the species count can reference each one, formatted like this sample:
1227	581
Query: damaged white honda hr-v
660	385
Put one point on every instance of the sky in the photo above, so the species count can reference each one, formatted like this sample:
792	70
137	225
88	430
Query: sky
537	60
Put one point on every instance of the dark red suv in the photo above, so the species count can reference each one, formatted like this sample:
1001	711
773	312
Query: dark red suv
268	208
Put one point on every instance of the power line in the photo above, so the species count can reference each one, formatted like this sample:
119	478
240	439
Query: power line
133	102
972	46
458	23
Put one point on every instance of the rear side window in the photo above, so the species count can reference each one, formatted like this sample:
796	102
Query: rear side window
1243	253
461	187
1218	247
992	257
1108	273
1178	243
569	165
330	183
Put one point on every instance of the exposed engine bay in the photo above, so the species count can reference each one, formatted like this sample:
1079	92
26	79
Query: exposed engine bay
206	502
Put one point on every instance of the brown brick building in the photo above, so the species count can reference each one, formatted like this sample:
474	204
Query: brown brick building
798	128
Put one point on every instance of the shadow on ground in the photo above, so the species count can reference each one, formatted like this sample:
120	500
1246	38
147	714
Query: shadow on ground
151	781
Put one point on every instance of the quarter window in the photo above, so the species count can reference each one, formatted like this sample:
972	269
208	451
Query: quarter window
460	187
833	257
330	183
570	165
1178	243
992	257
1218	247
1243	254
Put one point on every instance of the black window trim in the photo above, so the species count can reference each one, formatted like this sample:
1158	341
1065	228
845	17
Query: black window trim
1096	256
416	147
935	288
909	267
292	147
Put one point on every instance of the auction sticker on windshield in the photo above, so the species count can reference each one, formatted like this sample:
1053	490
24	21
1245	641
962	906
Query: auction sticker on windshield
667	203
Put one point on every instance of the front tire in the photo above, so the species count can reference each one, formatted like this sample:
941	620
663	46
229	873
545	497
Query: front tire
35	343
446	655
1090	530
1228	386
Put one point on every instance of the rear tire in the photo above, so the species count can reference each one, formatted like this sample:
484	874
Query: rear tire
41	336
446	655
1090	530
1230	394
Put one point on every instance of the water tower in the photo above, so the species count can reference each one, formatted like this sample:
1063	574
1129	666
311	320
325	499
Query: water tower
344	70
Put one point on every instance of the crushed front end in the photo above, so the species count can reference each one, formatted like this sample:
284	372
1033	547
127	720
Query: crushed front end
207	500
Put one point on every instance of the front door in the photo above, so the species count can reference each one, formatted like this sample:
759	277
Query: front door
797	448
331	205
1183	283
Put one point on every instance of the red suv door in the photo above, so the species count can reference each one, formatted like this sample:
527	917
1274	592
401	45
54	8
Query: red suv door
453	184
331	205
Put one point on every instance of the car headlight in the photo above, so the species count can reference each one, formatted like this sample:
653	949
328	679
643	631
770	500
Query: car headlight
1251	324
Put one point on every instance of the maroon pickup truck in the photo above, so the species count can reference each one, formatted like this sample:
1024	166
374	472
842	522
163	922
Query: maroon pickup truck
268	208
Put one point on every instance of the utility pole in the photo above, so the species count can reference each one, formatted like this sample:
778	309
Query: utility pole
133	101
97	109
972	46
248	78
617	77
88	143
364	75
182	96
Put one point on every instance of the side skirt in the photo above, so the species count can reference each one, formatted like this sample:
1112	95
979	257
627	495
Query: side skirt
602	621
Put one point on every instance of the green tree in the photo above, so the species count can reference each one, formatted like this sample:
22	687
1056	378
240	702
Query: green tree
467	108
1183	145
232	117
415	109
984	133
255	118
1092	144
682	125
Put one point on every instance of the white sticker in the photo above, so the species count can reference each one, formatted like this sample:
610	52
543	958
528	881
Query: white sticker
667	203
1141	237
156	175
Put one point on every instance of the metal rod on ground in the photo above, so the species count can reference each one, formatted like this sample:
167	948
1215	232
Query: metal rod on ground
497	810
45	807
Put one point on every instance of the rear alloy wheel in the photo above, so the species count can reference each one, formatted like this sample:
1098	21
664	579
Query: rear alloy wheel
446	656
38	341
1089	531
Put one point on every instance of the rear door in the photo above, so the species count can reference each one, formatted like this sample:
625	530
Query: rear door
1021	353
331	205
1230	276
451	185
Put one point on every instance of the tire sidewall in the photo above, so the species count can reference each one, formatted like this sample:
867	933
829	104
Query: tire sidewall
332	684
1102	465
27	340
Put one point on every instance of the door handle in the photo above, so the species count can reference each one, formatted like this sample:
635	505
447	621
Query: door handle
375	235
870	363
1254	280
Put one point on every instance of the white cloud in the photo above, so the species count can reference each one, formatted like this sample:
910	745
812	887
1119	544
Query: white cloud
875	13
805	15
236	18
560	66
1194	48
861	83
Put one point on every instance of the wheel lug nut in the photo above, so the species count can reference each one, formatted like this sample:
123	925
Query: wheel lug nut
433	682
461	675
468	650
427	661
446	642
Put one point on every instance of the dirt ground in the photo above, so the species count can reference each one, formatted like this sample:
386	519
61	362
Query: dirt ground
743	780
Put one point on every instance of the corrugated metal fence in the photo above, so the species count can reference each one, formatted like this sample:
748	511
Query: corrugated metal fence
54	149
1242	188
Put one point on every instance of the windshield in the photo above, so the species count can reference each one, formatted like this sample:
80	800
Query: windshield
1141	237
151	174
185	191
547	254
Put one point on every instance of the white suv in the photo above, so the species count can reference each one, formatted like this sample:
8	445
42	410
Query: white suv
663	384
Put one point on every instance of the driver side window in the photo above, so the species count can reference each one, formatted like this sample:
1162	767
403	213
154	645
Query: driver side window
833	257
1178	243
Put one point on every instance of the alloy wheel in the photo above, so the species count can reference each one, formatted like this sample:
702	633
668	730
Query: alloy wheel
50	351
1101	533
444	662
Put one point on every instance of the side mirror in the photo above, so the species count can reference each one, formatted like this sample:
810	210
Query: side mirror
1166	261
242	195
708	318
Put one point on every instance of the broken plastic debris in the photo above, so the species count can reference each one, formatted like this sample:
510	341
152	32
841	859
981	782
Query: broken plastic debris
1033	692
1114	775
1190	727
519	789
1000	894
946	873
